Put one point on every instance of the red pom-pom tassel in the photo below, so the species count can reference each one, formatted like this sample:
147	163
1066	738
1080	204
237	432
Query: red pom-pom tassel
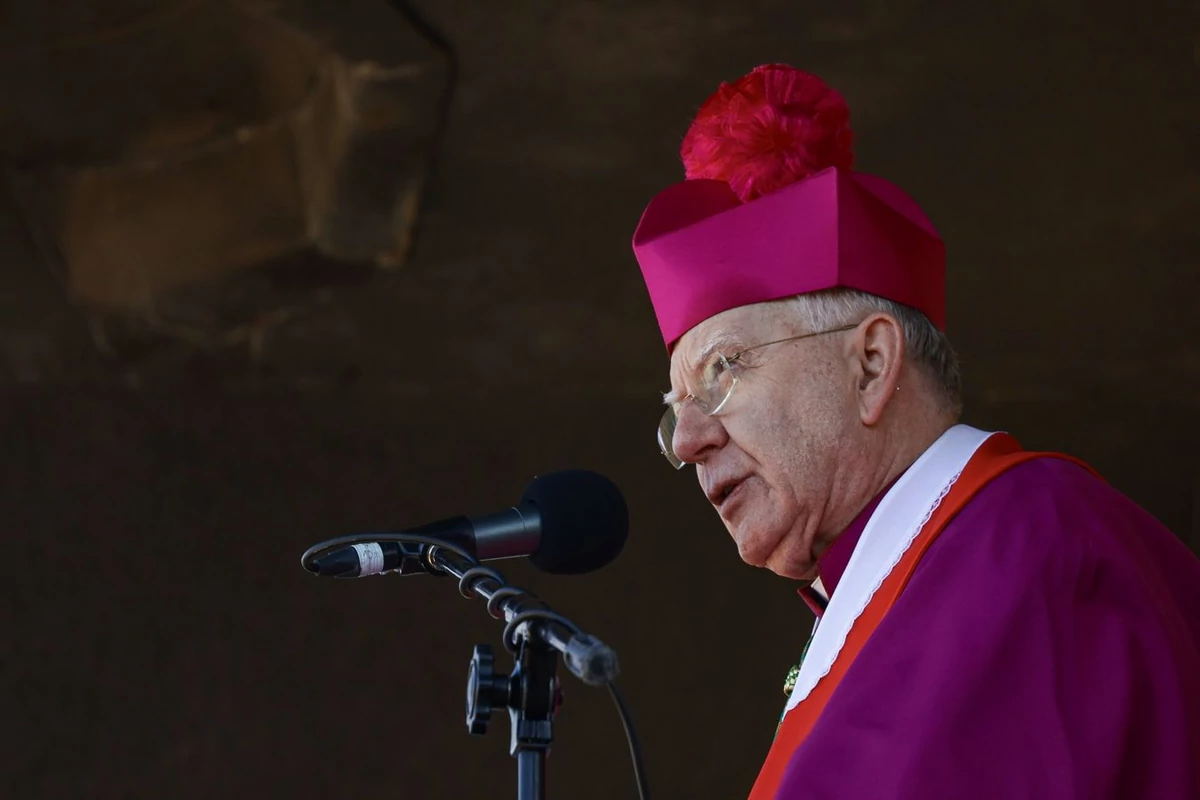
770	128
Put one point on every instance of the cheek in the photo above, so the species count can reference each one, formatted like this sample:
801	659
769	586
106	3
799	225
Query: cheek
792	445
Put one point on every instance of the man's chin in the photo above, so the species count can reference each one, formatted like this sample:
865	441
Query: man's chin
775	553
791	565
762	554
792	572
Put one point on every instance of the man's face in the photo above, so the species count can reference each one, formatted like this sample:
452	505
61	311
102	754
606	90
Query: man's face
768	461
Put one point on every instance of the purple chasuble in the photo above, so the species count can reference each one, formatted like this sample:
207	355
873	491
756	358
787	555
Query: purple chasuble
1046	648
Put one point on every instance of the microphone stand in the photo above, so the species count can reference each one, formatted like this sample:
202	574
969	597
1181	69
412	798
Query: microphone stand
532	693
534	634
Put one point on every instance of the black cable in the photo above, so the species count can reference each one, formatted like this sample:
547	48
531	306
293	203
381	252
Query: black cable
474	576
509	637
471	578
635	747
370	538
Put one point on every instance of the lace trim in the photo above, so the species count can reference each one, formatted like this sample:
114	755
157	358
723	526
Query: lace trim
909	538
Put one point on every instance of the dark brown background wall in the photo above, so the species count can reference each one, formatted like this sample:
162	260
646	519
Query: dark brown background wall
160	638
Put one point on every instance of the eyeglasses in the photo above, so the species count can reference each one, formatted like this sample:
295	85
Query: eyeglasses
718	379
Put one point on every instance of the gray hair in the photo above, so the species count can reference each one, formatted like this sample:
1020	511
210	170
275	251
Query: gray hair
925	345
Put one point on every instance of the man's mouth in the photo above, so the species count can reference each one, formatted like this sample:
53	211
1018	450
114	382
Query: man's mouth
724	492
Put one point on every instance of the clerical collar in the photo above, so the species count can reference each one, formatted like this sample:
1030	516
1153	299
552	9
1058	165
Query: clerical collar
832	563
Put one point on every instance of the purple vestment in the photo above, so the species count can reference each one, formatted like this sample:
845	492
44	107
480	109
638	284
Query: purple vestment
1046	648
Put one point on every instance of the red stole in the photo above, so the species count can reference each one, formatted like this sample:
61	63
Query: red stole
999	453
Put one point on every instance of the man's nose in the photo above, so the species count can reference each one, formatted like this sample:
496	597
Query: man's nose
696	434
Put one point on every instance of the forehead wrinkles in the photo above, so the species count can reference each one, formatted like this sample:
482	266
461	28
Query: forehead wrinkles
734	331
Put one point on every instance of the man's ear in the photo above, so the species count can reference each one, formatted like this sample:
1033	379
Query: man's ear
877	357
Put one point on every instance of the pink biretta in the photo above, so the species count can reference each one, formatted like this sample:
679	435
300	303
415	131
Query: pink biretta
772	209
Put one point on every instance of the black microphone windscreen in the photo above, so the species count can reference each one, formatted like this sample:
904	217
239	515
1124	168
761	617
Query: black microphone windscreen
584	521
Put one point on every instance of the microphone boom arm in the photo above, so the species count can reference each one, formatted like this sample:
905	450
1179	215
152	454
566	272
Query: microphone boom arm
532	633
589	659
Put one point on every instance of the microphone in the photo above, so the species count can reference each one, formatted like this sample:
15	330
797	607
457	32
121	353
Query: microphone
567	523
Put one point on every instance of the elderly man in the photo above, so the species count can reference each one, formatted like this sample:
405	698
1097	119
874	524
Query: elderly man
993	623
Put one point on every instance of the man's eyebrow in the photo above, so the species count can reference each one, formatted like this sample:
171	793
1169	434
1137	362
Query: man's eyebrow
722	340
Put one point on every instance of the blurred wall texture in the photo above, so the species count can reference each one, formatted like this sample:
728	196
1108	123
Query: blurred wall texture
169	449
